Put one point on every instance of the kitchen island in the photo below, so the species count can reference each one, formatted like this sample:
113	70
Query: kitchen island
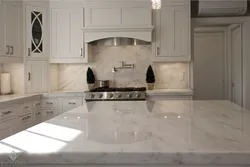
168	133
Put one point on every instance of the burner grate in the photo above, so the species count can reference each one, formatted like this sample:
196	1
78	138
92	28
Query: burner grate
126	89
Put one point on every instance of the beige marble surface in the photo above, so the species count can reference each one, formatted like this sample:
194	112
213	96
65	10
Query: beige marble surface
72	77
145	133
170	92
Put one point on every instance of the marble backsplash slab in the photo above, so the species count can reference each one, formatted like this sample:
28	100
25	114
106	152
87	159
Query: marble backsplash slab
72	77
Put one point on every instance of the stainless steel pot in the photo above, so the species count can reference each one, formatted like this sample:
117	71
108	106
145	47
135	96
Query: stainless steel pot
102	84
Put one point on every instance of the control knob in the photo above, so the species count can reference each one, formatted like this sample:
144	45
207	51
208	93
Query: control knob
130	95
138	95
100	96
92	96
110	95
119	96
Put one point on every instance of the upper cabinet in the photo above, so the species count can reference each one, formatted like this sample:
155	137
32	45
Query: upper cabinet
173	30
36	32
10	29
118	15
67	38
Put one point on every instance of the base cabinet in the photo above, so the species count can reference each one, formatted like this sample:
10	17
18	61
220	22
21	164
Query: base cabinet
7	128
24	122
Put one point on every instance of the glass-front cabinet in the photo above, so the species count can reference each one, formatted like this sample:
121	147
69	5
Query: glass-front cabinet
36	32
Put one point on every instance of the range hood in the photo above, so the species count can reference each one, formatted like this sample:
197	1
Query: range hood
119	41
115	36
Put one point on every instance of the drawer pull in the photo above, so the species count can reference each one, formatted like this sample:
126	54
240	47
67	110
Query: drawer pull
27	107
49	103
6	113
25	118
72	103
50	112
38	113
37	104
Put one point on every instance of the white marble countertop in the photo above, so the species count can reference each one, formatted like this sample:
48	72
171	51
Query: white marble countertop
16	97
170	92
162	132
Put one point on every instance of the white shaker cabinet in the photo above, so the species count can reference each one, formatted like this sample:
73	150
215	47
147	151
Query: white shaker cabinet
36	32
7	127
37	76
10	29
3	45
67	45
13	26
173	34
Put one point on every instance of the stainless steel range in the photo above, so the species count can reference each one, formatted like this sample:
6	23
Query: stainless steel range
116	94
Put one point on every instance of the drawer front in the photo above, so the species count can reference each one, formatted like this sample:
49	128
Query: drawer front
7	113
48	114
6	128
72	103
50	103
25	122
25	108
36	105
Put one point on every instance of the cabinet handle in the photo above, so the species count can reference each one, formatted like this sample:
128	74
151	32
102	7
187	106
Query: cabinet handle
8	49
50	112
25	107
158	51
12	50
49	103
6	113
37	104
38	113
25	118
29	51
29	76
81	52
72	103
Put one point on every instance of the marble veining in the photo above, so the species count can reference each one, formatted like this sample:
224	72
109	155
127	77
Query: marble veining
73	76
146	132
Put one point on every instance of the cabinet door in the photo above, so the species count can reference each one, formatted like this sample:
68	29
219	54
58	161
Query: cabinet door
6	128
37	76
3	44
67	35
36	32
173	33
13	27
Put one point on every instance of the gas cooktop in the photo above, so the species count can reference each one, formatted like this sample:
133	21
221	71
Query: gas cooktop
116	94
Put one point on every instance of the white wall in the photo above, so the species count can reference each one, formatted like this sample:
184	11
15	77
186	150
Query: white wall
245	21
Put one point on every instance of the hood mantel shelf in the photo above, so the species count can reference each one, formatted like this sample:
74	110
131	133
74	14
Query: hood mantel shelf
95	33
